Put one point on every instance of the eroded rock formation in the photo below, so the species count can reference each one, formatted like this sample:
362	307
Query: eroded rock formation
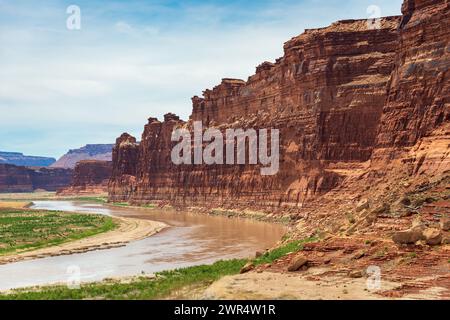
341	97
24	179
89	177
418	91
15	179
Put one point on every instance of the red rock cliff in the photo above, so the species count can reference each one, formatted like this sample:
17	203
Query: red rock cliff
89	177
419	90
339	96
24	179
325	95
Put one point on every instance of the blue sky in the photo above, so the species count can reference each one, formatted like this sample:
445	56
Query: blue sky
61	89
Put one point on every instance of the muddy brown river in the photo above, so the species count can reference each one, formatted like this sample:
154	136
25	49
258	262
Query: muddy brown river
191	239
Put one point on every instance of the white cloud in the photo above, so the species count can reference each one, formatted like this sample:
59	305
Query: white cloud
120	69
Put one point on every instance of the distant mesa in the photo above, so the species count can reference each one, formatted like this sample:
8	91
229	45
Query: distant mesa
102	152
28	179
19	159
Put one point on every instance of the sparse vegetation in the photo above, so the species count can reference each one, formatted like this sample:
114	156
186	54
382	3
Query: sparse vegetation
279	252
24	230
87	199
121	204
142	288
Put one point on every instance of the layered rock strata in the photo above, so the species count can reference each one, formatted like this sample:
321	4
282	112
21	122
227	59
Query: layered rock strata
89	177
24	179
343	97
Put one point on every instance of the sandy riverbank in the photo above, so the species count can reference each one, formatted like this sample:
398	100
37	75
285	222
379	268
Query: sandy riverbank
128	230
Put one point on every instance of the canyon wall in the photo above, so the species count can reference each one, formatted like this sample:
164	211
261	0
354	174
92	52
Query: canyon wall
15	179
25	179
337	96
418	92
89	177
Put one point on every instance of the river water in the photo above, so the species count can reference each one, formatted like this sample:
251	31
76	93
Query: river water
191	239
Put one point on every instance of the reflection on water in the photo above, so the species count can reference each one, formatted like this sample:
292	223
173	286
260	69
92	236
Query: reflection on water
192	239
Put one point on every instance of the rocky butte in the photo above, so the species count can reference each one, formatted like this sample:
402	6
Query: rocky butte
359	110
89	177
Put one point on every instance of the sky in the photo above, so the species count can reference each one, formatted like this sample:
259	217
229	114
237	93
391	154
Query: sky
130	60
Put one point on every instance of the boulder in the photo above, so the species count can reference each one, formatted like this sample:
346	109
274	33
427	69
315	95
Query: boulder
362	205
297	263
408	236
445	223
247	268
432	236
355	274
358	255
258	254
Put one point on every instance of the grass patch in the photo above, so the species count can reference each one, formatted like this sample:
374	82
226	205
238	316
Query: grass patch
121	204
24	230
279	252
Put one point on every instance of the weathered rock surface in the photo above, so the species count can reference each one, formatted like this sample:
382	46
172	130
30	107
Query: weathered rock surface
325	95
432	236
419	87
101	152
125	162
445	223
348	101
297	263
23	179
408	236
15	179
89	177
247	268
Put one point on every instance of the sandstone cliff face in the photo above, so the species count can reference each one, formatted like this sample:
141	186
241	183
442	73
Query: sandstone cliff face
325	95
15	179
125	160
23	179
89	177
329	88
419	90
342	97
